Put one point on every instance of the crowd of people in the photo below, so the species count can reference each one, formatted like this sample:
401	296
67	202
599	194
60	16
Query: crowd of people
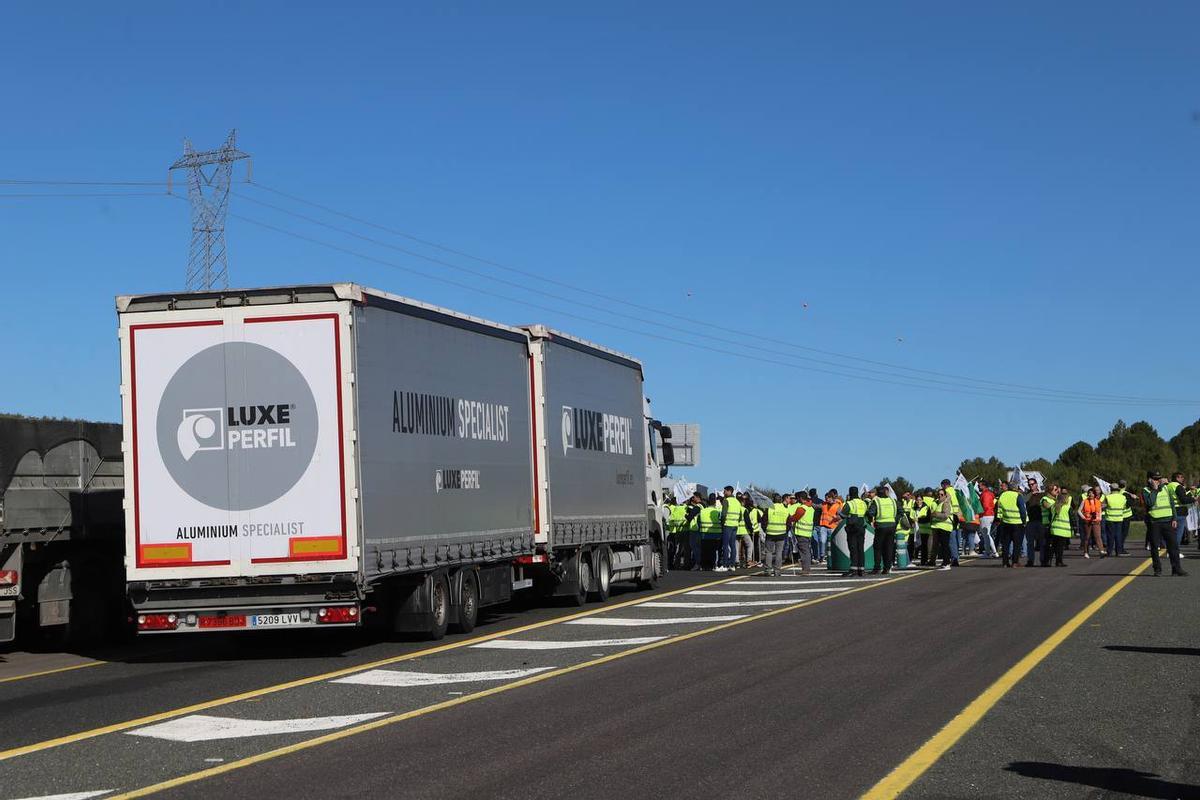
1019	525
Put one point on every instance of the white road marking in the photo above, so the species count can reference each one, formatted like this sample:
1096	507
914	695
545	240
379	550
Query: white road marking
527	644
804	583
756	592
388	677
70	796
203	728
634	623
730	603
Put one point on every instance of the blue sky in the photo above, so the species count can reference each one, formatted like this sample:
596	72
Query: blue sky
1012	189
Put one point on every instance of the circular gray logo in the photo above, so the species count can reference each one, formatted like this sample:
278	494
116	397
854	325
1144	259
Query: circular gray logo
237	426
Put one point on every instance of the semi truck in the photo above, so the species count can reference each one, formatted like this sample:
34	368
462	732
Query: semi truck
332	455
61	530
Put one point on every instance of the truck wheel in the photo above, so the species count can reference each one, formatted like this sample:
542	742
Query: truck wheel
585	578
656	569
468	603
439	607
603	582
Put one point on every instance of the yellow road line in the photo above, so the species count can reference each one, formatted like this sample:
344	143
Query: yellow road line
904	775
51	671
279	687
457	701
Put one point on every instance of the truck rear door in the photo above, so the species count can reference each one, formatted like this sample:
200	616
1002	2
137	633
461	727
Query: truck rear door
238	440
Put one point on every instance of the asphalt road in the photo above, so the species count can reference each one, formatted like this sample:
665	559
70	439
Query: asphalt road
751	687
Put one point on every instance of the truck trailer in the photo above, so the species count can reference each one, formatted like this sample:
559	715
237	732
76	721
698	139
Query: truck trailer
333	455
61	529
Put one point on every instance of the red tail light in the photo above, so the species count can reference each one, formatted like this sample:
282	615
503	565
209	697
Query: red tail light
157	622
9	577
337	614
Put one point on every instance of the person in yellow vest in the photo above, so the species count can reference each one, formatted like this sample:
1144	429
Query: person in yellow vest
854	514
1160	525
943	527
1012	515
710	534
1060	522
732	513
955	543
776	536
929	538
1112	509
803	519
884	513
674	514
909	505
751	527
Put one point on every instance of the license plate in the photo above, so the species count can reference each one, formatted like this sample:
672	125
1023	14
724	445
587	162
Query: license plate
274	620
9	591
228	621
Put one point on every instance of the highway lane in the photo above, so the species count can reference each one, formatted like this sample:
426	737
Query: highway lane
841	683
156	674
127	759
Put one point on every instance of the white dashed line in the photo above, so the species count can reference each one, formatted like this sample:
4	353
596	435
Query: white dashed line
527	644
388	677
636	623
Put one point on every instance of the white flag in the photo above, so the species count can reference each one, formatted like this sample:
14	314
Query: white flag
1105	486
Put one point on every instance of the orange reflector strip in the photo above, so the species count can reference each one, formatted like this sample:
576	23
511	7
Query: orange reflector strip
314	546
167	552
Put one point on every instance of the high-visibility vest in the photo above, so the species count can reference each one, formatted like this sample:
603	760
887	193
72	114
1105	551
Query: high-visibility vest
1115	505
777	520
1060	524
710	521
953	496
1046	503
942	524
829	514
675	523
1008	507
733	512
930	506
1181	503
905	523
1162	508
885	510
856	508
804	525
755	522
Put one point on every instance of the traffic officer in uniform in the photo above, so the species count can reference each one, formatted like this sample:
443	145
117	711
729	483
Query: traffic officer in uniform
1160	509
883	514
854	513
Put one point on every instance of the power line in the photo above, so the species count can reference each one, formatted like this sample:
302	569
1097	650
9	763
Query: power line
26	196
776	362
986	388
958	379
1014	390
17	182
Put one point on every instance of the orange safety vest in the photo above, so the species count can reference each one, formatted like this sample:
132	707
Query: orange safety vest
829	514
1091	509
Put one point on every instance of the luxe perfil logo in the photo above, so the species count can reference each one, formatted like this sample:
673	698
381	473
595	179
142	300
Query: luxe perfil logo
237	426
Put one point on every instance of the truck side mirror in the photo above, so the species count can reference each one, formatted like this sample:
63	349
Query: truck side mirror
664	431
668	454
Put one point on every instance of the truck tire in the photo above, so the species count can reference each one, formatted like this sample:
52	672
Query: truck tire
439	606
602	583
584	577
656	569
468	602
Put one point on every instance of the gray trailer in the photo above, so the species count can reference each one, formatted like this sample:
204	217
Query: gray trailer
331	455
61	525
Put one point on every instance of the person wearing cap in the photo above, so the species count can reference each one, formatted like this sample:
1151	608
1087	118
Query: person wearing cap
1161	513
854	513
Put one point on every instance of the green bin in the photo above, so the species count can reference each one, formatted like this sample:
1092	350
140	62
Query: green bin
902	550
839	551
